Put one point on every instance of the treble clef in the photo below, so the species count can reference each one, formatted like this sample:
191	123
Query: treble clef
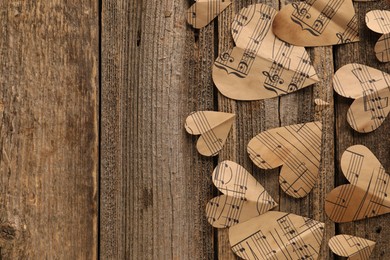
273	78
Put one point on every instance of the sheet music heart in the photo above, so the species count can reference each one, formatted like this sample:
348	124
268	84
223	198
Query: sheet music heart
317	23
260	66
367	194
370	89
203	12
213	127
243	199
354	248
276	235
297	148
379	21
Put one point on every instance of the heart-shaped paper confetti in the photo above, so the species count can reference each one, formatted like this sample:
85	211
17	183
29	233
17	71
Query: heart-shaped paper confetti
203	12
379	21
354	248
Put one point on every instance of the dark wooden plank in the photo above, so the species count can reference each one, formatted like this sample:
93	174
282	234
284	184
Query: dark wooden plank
154	184
49	138
377	229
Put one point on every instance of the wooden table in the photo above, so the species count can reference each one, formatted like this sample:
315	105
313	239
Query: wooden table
94	158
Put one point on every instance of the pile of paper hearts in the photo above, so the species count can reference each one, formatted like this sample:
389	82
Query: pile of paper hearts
269	60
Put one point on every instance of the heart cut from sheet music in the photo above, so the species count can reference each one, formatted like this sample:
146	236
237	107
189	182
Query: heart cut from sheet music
213	127
379	21
354	248
367	194
261	66
370	89
243	199
277	235
203	12
297	148
317	23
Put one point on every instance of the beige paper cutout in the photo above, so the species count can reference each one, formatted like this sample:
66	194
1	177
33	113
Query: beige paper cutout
320	104
213	127
297	148
367	194
203	12
243	199
354	248
370	89
379	21
317	23
260	66
277	235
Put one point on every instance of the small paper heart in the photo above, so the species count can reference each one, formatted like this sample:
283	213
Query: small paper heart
355	248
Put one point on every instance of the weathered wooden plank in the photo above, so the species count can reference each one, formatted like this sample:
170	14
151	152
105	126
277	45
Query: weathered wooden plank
49	138
377	229
154	184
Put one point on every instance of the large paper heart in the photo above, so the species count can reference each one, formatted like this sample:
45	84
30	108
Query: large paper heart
379	21
213	127
277	235
370	89
367	195
243	199
297	148
317	23
203	12
355	248
260	66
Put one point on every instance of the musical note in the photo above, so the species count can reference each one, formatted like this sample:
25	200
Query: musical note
277	235
213	127
370	89
243	199
203	12
366	195
379	21
261	66
354	248
296	148
317	23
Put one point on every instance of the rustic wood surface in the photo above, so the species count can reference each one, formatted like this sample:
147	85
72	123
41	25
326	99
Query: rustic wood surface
49	64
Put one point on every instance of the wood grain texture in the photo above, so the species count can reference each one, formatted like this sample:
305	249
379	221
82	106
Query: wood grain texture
48	125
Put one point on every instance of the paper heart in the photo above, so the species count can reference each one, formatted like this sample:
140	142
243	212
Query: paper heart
243	199
297	148
367	194
370	89
379	21
213	127
355	248
260	66
203	12
277	235
317	23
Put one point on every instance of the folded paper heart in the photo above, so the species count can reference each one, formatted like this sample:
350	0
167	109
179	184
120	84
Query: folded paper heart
203	12
243	199
260	66
354	248
213	127
277	235
297	148
317	23
370	89
367	194
379	21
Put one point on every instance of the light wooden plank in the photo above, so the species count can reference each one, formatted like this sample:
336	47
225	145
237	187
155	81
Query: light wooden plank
49	134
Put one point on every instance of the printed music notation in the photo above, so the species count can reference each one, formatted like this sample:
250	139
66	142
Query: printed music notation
213	127
297	149
317	23
203	12
354	248
370	89
379	21
260	66
366	195
243	199
277	235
